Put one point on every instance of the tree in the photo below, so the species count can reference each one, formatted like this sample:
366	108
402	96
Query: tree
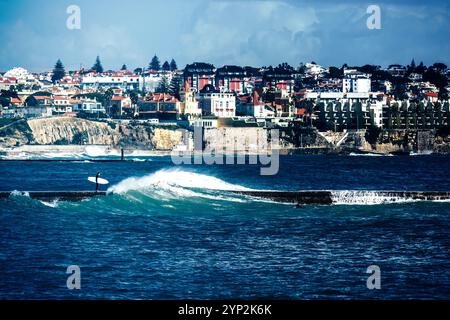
97	66
163	86
107	99
175	86
334	72
436	77
440	67
308	105
173	65
6	95
369	68
31	101
9	93
124	67
301	69
4	102
166	66
411	68
155	64
421	68
285	66
58	71
43	93
443	93
400	89
134	97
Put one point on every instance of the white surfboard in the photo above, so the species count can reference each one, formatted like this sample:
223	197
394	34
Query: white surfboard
99	180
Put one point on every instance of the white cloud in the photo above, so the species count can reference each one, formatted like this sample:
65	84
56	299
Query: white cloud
222	32
255	32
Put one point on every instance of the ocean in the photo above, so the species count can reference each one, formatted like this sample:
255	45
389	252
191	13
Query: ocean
177	232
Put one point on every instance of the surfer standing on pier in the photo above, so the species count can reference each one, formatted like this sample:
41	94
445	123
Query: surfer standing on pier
96	181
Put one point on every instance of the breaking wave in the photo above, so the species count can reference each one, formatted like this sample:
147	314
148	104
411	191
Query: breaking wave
168	184
174	178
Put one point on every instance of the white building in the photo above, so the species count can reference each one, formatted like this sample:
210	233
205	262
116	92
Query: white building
27	112
150	80
219	104
61	104
6	83
314	69
208	122
396	70
330	96
21	74
126	82
88	106
254	107
376	113
355	81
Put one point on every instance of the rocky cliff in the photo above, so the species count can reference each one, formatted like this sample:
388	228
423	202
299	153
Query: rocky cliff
16	134
69	130
382	141
76	131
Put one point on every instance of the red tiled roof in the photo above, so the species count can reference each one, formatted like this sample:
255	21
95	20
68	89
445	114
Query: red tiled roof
301	111
255	99
118	98
162	97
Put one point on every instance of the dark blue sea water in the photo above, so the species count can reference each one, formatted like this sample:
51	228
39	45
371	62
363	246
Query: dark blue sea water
175	232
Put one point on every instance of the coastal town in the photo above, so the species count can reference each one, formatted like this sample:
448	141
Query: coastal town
334	101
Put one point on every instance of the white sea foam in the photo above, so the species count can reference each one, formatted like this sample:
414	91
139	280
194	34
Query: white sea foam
58	155
362	197
16	193
369	155
51	204
96	151
175	180
422	153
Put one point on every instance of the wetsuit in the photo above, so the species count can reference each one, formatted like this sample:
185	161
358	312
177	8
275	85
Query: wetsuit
96	181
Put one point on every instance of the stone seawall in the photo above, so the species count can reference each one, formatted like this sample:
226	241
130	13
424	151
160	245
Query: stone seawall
236	139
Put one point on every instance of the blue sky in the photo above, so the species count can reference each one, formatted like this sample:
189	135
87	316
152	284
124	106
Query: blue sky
34	34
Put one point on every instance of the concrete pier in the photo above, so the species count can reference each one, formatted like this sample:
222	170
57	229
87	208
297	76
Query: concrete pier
327	197
300	197
295	197
55	195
